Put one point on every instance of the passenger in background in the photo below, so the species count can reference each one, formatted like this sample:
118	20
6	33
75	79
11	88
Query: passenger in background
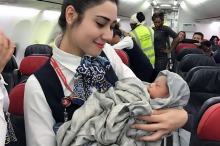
205	45
143	35
214	40
182	35
199	37
139	63
121	39
61	86
196	39
6	51
161	41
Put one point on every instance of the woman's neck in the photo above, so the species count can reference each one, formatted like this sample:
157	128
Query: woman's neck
67	45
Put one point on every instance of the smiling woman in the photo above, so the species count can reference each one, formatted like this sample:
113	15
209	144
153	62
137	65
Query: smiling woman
87	26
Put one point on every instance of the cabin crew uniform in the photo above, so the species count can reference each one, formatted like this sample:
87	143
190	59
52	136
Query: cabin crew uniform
125	43
138	61
161	36
42	134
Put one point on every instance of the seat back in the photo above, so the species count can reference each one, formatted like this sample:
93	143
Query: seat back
183	53
8	74
124	57
184	45
16	97
16	111
204	84
216	56
192	60
208	122
215	47
190	73
38	49
30	64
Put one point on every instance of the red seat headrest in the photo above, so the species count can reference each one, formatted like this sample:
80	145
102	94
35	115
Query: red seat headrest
124	57
16	97
30	64
208	128
184	45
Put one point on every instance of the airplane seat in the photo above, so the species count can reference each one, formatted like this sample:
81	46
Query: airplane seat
184	45
16	97
204	84
194	69
8	74
184	52
124	56
30	64
204	40
216	56
215	47
192	60
207	123
38	49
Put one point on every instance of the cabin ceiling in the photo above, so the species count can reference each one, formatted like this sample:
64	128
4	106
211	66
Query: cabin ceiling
199	9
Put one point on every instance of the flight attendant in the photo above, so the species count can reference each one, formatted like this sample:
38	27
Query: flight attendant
161	41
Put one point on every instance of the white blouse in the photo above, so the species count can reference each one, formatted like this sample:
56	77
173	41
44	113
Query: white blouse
38	115
125	43
4	103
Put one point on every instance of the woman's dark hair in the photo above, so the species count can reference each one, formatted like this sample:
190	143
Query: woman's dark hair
80	7
158	15
213	37
205	46
200	34
116	30
140	17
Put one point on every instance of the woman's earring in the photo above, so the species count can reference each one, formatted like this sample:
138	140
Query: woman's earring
70	22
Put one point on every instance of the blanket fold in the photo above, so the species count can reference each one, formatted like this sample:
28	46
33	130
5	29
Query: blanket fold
106	118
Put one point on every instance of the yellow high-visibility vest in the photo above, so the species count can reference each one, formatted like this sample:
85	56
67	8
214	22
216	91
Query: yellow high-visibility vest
144	36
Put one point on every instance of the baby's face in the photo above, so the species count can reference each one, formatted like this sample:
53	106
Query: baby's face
159	88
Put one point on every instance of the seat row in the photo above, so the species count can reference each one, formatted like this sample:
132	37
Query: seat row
204	85
202	73
28	66
188	58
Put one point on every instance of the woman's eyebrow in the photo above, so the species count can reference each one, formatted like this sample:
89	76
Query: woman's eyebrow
107	19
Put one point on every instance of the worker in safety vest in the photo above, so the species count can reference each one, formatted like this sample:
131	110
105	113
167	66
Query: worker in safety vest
143	35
